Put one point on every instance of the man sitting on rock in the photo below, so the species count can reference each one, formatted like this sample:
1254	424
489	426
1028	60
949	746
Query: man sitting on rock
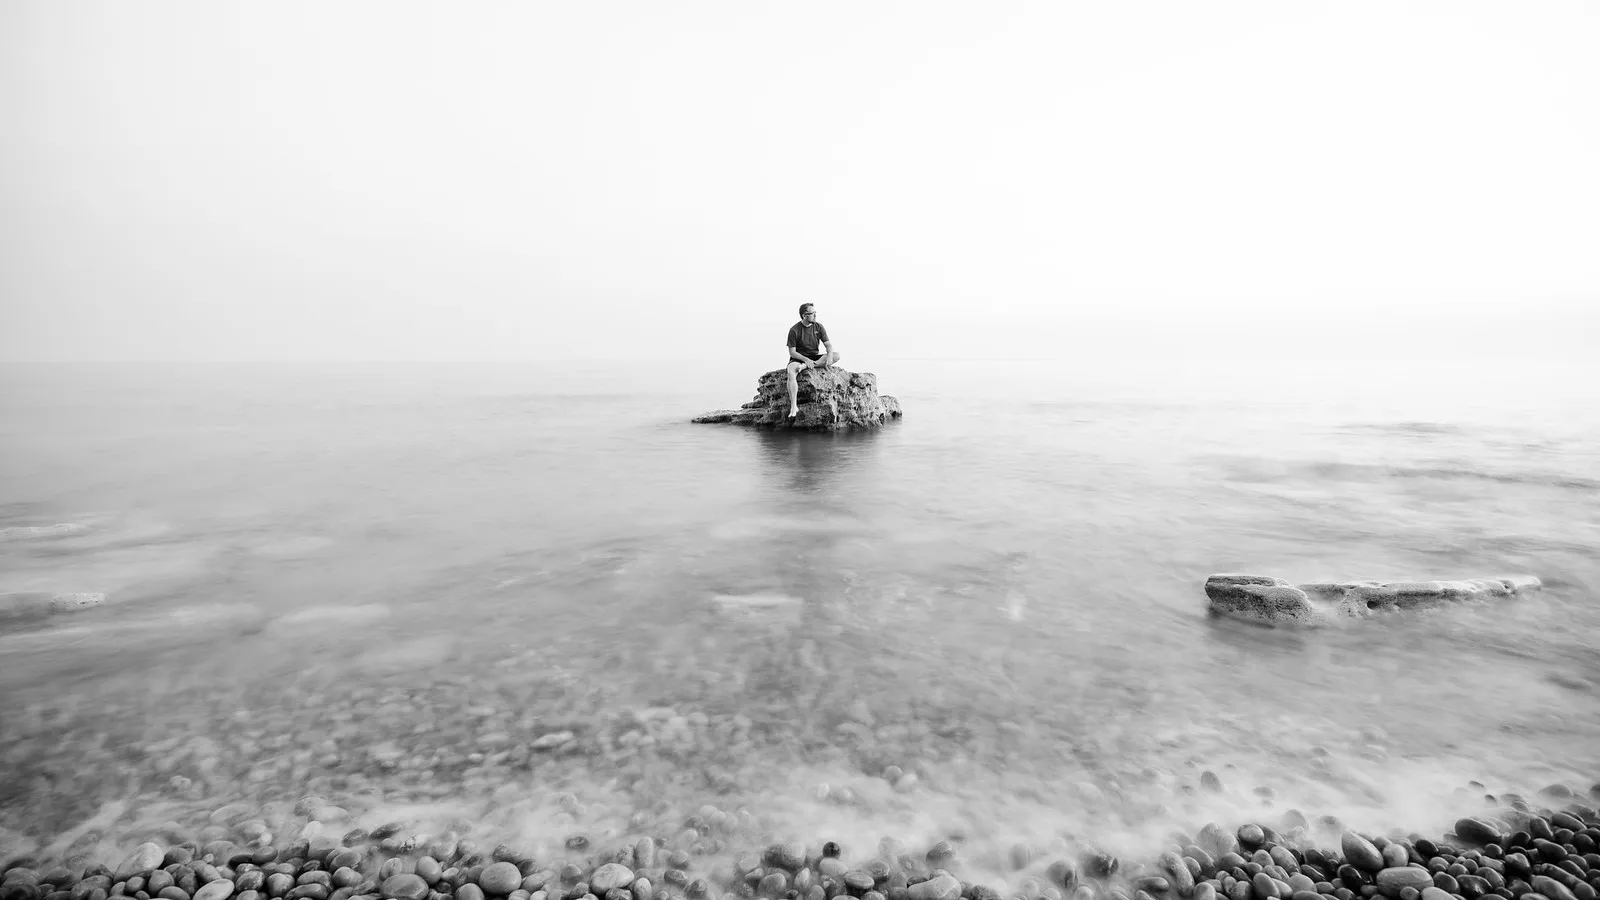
809	348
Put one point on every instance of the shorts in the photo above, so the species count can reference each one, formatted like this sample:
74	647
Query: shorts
792	359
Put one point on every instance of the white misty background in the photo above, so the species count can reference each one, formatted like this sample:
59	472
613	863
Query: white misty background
399	181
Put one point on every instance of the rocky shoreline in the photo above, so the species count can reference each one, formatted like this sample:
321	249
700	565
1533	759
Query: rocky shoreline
1513	851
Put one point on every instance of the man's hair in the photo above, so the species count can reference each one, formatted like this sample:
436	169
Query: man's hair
805	306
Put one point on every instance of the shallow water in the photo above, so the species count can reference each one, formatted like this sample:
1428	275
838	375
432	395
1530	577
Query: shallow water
383	585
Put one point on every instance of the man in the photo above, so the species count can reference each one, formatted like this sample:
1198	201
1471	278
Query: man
809	348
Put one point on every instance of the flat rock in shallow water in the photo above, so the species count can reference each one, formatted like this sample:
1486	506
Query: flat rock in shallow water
830	399
22	605
38	532
1273	601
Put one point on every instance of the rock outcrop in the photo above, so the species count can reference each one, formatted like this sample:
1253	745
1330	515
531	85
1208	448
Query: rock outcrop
1274	601
830	399
35	532
30	605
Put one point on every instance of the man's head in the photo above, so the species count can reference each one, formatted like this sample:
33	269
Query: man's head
808	313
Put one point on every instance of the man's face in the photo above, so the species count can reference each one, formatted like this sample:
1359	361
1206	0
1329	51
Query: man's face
809	316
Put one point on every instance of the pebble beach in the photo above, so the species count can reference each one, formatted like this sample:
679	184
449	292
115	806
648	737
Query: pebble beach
1546	850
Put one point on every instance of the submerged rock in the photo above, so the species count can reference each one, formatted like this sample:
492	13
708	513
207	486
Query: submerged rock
830	399
1274	601
36	532
23	605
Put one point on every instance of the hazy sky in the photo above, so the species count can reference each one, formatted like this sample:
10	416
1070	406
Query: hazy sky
399	180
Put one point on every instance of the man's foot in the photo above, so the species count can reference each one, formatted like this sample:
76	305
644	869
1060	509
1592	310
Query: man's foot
794	411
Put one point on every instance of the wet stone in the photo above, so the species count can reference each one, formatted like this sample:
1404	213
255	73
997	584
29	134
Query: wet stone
858	880
606	878
405	887
1100	865
939	887
1062	873
1360	852
1398	877
791	856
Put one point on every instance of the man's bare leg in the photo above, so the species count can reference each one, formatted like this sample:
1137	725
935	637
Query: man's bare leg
831	358
794	387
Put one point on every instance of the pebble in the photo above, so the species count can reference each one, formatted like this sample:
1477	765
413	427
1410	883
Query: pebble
939	887
1360	852
146	857
404	887
1178	871
1476	831
500	879
1215	840
606	878
789	856
1399	877
1062	874
1265	887
1552	888
221	889
1395	855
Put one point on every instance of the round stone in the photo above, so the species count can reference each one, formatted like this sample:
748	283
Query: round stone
939	887
1360	852
1062	873
221	889
644	853
606	878
1476	831
469	891
500	879
146	857
1153	884
1178	872
1552	888
429	870
1100	865
1398	877
786	856
404	887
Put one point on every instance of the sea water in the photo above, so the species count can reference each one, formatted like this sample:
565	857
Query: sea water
527	601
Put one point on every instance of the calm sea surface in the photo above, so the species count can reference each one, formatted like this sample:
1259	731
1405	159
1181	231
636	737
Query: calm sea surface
536	600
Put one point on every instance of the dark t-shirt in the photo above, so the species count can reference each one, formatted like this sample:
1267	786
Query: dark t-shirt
808	339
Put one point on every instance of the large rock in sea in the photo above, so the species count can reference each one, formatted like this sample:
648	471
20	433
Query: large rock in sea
1272	601
830	399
